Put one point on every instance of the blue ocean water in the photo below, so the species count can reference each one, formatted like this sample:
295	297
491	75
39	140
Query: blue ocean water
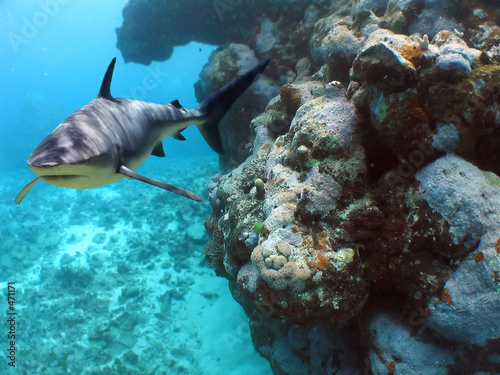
56	62
109	280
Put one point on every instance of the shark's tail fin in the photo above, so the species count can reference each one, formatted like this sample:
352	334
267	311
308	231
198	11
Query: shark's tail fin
216	105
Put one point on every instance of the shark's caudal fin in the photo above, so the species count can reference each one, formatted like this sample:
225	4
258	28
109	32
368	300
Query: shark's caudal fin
217	104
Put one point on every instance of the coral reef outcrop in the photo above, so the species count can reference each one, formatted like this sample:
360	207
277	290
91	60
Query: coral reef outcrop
360	227
376	211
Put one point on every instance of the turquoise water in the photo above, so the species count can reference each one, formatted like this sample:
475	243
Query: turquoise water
110	280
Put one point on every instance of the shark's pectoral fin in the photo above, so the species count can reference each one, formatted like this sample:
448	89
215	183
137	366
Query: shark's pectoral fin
174	189
178	136
158	150
25	190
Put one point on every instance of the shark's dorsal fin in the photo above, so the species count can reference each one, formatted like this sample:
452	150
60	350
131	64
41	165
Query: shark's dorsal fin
105	91
177	105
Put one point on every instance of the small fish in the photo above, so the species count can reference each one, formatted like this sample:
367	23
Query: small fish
109	138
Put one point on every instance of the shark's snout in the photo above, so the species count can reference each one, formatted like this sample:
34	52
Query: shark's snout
45	157
46	167
52	164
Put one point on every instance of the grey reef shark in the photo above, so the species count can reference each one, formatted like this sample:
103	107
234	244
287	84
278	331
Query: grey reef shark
109	138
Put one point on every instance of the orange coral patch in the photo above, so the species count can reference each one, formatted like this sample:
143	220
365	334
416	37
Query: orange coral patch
322	242
319	262
391	368
412	52
322	237
497	246
445	33
479	257
264	232
414	109
445	296
496	277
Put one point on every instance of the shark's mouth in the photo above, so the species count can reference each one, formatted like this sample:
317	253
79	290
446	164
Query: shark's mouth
58	172
75	181
60	176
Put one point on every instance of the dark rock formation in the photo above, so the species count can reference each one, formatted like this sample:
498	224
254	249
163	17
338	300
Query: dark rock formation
151	29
